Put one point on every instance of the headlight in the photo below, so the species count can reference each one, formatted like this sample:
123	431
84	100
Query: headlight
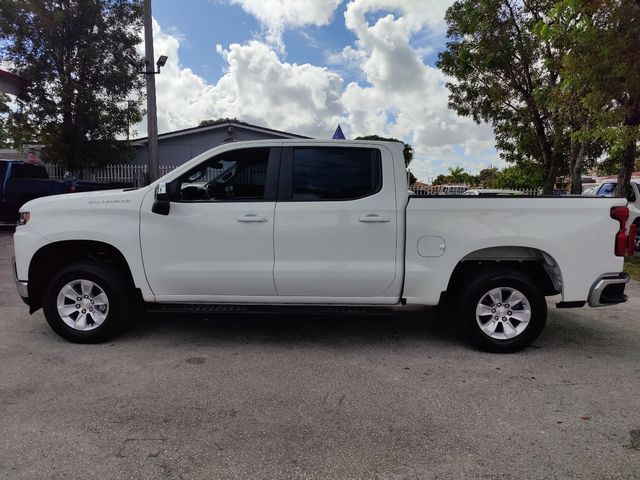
24	218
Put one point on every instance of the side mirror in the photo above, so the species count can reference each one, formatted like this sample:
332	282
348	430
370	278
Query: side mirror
162	204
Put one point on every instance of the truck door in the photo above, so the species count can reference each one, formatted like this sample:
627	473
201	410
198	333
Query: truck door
217	240
336	224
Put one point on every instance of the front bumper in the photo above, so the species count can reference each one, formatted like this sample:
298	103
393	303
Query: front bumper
22	287
608	289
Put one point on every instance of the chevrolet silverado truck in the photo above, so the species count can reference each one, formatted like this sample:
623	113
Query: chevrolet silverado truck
329	224
23	181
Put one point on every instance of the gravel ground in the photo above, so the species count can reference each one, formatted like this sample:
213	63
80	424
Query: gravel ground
393	396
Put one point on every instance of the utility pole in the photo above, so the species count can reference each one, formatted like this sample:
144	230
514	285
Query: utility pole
150	74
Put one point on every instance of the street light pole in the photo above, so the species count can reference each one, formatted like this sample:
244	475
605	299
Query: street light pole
152	119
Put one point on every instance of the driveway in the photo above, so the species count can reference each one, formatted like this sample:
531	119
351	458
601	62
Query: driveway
393	396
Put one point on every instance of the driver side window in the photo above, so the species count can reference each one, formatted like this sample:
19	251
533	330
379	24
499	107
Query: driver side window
237	175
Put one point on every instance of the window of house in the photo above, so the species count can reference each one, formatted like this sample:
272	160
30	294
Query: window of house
335	173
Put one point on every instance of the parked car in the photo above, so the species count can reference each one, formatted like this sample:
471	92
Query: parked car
493	192
607	189
591	190
315	223
21	181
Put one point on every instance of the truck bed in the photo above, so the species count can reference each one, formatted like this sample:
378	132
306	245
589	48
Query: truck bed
444	230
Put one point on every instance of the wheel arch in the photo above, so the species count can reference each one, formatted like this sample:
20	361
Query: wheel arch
537	264
51	257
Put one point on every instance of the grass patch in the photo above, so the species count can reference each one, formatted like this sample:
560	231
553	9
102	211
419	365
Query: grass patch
632	267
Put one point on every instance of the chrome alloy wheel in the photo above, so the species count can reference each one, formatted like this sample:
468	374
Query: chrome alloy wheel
82	305
503	313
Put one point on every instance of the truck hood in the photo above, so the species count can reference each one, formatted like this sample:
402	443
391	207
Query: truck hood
87	200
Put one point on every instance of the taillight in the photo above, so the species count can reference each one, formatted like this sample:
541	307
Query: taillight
621	214
72	188
631	247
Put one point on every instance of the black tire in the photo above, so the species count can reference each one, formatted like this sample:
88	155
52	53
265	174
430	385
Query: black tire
116	286
476	289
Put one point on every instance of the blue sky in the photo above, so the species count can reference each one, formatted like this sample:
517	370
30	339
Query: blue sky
306	65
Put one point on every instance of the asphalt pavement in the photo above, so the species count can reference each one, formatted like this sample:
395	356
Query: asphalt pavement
393	396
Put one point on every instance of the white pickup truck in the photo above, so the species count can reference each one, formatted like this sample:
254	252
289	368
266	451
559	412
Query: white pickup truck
316	223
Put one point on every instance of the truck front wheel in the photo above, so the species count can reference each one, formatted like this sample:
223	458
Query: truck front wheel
502	310
87	302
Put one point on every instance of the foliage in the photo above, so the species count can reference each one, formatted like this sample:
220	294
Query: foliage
524	175
601	67
79	59
487	177
508	75
218	121
520	177
407	151
632	267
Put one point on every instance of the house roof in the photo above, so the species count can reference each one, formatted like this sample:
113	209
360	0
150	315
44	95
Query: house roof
225	124
11	83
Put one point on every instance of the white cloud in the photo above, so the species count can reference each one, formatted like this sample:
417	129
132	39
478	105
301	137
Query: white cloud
399	95
406	98
256	87
277	15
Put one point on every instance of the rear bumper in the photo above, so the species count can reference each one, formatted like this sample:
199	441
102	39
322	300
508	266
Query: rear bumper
608	289
22	287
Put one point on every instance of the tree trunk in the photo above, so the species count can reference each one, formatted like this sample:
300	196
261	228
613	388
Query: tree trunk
549	182
577	156
551	163
629	156
628	163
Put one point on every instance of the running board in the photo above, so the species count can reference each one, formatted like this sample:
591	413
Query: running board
204	309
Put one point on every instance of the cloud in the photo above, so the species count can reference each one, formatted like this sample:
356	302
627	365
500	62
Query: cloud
256	87
277	15
403	97
397	94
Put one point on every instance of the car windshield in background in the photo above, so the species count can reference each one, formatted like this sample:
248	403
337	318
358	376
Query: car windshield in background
607	189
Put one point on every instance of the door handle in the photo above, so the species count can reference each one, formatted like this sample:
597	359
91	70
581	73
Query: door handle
373	218
251	218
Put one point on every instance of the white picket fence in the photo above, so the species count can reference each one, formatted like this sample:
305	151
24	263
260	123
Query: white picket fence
459	190
124	173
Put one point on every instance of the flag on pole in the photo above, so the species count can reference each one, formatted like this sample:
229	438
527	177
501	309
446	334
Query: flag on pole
338	135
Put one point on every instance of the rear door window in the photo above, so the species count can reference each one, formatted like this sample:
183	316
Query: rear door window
335	173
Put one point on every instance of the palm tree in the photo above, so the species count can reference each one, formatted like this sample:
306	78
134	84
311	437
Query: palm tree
457	174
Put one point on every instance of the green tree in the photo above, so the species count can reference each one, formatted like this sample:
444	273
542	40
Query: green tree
487	177
505	74
441	180
457	175
601	38
79	59
407	152
525	175
217	121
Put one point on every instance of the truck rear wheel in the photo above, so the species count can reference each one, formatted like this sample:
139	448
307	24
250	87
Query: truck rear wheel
502	310
88	302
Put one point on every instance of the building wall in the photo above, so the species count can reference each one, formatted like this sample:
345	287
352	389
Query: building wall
178	150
